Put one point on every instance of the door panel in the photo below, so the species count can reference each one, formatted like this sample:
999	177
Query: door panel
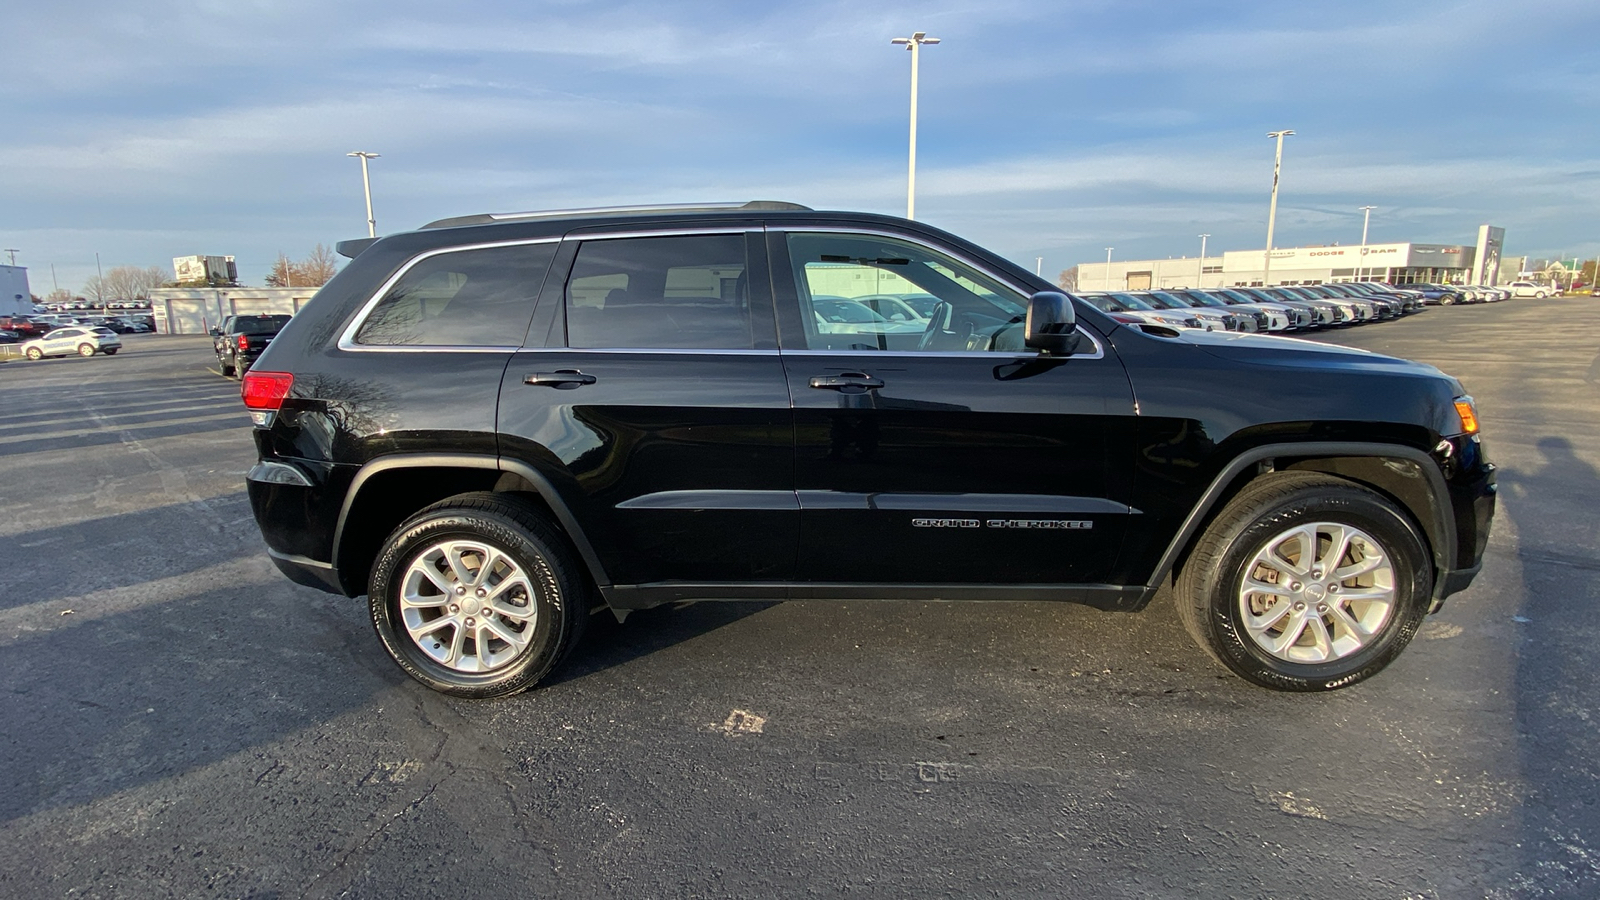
668	427
971	465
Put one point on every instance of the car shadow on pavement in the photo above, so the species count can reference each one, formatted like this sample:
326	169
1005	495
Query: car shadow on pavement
126	549
609	643
1558	688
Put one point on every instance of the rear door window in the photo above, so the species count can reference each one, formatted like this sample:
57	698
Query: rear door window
681	292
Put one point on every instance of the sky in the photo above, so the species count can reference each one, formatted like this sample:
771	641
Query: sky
1047	129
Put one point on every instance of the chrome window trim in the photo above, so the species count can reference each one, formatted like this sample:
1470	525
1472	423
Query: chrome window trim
671	351
347	339
1099	348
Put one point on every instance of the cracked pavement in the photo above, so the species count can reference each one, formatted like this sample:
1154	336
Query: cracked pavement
181	721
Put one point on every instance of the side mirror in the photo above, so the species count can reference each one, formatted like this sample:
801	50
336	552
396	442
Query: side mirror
1052	325
216	332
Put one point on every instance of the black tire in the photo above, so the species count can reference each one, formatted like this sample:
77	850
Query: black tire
85	350
1447	299
1209	587
111	351
35	354
562	588
227	370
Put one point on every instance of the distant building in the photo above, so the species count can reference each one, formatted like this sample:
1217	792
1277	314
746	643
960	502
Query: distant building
196	310
15	298
1396	263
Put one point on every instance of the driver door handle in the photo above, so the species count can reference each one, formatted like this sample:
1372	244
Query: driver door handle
848	382
561	378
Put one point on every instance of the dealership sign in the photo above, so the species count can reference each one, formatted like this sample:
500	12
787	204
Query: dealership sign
1448	256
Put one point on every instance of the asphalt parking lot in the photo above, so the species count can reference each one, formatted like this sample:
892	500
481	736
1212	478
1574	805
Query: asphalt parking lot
180	720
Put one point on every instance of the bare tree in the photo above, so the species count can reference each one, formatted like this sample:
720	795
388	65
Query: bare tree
1068	279
59	295
320	265
313	271
96	291
132	282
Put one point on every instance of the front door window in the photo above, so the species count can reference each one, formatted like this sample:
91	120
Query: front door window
866	293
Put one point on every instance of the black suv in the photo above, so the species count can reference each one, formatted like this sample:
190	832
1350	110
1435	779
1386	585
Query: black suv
496	424
239	341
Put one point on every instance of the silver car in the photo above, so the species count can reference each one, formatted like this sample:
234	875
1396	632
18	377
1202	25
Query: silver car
79	339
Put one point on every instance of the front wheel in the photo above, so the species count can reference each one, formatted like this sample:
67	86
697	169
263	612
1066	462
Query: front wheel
1306	582
1538	295
1447	300
35	354
85	350
478	596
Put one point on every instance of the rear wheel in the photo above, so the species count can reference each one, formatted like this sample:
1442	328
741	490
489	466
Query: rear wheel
111	351
478	596
85	350
1306	582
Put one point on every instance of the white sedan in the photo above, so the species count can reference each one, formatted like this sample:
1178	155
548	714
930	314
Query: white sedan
79	339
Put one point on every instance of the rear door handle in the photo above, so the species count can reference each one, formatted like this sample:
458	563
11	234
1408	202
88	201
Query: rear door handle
847	383
566	379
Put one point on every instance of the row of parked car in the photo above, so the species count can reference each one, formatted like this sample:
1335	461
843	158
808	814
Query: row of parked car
1283	308
24	327
86	305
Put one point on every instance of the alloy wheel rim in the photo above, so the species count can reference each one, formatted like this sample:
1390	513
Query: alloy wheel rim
468	606
1317	593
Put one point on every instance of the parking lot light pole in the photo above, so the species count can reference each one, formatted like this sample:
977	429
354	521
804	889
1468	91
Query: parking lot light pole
366	185
1366	219
1272	210
914	44
1108	267
1200	276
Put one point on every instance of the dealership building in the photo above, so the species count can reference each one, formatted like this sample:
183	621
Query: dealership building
1396	263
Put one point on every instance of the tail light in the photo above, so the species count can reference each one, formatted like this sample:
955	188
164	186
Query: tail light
244	343
263	394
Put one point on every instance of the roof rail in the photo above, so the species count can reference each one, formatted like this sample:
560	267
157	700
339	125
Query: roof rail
491	218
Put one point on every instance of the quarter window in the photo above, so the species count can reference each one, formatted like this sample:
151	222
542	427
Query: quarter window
859	292
663	293
470	298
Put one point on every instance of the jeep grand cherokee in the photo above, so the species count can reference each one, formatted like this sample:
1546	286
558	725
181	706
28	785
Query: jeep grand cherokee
493	424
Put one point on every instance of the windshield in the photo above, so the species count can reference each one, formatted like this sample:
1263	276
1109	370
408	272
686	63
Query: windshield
1204	299
1105	302
1130	301
248	324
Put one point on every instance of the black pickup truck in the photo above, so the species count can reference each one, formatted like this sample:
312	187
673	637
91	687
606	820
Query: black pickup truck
496	423
240	339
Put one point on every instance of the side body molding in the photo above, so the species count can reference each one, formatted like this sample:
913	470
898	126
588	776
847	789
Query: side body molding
1436	522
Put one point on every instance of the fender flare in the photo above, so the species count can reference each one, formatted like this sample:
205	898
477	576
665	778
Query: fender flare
541	484
1442	533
